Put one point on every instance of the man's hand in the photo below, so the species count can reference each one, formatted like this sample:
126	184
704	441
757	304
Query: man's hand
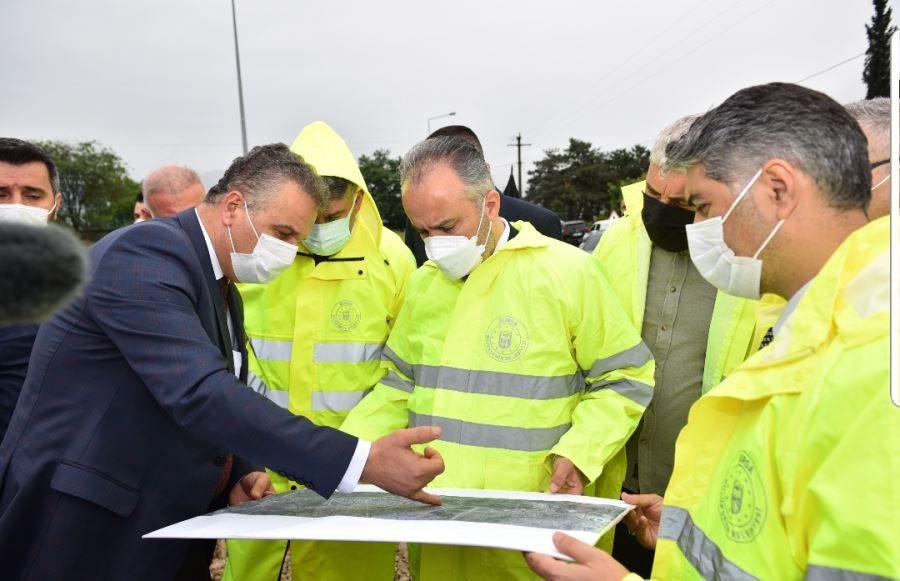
591	564
643	521
394	467
567	479
252	486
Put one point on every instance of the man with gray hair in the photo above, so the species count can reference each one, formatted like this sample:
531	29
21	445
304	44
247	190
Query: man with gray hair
511	342
135	410
696	334
770	464
172	189
874	117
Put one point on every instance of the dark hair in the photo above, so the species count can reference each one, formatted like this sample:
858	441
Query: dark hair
17	152
780	120
459	131
338	187
259	173
140	197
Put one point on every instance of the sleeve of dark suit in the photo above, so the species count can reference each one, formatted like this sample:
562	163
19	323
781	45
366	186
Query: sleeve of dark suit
145	294
415	244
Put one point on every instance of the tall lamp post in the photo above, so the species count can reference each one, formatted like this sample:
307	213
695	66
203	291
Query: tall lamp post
430	119
237	59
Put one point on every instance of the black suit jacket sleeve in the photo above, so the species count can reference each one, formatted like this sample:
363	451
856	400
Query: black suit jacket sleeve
150	312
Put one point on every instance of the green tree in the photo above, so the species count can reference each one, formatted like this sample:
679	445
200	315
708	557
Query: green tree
582	182
877	71
382	175
97	194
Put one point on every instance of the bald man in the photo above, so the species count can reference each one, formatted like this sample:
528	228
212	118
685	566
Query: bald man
172	189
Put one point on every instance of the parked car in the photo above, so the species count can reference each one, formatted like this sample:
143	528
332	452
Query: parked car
573	231
590	240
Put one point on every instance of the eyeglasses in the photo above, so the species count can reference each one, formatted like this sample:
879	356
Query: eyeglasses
878	163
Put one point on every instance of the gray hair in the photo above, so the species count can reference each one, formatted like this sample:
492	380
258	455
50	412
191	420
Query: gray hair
874	116
786	121
258	175
455	152
672	133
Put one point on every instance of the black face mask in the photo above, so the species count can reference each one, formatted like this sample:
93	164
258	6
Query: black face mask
665	224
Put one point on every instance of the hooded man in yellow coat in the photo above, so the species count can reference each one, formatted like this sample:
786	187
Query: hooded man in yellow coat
316	337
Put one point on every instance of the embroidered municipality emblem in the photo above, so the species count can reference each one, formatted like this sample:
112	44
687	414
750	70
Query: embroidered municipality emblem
506	339
345	315
742	500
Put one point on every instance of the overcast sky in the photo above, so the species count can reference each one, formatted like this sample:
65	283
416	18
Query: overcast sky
155	80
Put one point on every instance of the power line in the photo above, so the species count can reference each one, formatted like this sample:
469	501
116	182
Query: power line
667	64
587	102
853	58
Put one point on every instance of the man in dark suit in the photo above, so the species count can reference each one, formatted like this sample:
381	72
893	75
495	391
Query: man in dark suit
131	408
512	209
29	193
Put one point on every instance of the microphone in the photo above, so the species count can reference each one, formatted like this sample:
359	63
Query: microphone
42	268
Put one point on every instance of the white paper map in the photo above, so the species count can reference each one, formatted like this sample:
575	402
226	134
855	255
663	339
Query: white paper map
521	521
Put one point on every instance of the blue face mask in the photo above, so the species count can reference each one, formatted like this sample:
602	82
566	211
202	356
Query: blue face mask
330	238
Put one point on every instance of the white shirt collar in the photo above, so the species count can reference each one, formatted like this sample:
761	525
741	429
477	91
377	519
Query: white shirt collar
790	307
217	268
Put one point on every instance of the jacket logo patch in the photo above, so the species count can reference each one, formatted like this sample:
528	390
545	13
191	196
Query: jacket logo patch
345	315
742	501
506	339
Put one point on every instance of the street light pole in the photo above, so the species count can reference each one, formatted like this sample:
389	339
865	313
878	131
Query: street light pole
430	119
237	59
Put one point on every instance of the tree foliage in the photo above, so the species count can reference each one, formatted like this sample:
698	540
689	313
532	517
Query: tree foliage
97	194
582	182
382	175
877	71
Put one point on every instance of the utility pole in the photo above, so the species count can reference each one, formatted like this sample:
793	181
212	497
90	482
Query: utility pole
519	145
237	58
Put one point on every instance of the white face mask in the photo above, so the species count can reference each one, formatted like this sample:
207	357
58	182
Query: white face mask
330	238
270	257
456	256
22	214
736	275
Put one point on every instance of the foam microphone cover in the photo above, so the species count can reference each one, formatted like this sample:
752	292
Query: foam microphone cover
42	268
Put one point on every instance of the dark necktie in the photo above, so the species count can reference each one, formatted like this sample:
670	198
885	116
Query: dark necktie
767	338
229	458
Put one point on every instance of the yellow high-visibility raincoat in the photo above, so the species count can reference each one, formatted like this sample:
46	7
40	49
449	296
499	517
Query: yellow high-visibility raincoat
528	358
316	334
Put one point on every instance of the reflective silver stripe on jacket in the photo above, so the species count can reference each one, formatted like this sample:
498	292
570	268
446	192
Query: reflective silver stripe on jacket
272	350
820	573
499	383
336	401
397	382
699	550
488	436
639	393
636	356
346	352
405	368
533	387
278	396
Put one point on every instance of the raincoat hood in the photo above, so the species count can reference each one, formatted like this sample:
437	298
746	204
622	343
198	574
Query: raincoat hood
321	146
